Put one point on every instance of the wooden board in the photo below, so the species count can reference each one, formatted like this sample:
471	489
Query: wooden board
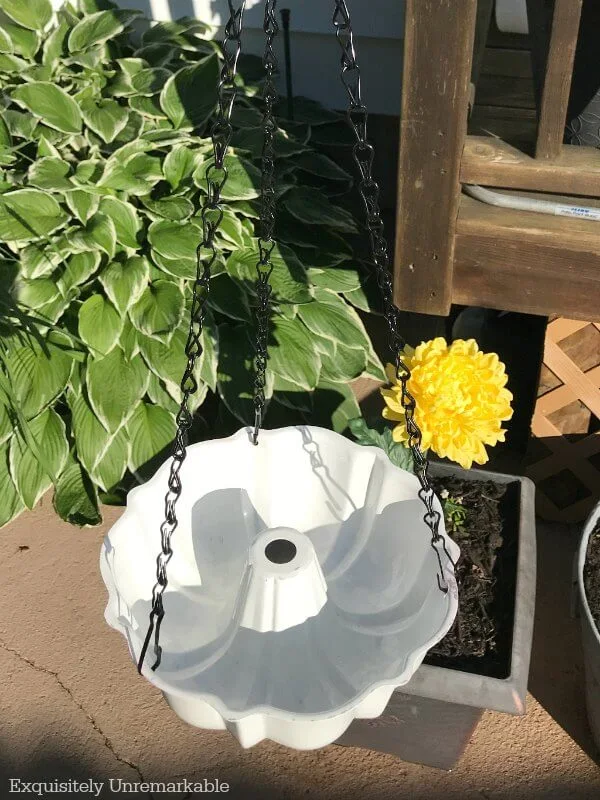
527	262
505	90
435	97
515	125
539	18
482	26
492	162
558	77
506	63
513	41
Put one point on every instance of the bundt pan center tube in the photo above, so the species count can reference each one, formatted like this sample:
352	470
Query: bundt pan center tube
303	588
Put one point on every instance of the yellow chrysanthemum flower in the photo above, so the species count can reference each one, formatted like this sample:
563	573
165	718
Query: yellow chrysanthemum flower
461	399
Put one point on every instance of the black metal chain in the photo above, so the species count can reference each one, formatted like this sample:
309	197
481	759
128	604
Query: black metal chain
211	215
264	267
369	191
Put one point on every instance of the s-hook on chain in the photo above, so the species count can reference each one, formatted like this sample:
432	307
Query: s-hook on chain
264	268
369	191
206	253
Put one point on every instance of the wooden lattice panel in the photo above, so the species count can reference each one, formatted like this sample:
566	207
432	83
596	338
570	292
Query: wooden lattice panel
564	457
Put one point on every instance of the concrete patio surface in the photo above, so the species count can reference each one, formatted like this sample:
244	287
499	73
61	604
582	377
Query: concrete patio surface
72	704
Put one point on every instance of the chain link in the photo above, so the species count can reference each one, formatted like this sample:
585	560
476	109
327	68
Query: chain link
369	191
264	268
206	253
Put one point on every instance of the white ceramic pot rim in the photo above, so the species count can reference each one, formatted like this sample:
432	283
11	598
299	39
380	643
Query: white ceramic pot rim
583	547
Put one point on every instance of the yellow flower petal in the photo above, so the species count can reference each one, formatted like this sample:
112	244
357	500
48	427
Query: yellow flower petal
387	413
399	433
390	371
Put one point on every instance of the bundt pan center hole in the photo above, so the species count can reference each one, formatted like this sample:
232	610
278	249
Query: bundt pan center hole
280	551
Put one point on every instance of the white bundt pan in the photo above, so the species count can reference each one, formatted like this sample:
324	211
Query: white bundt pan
302	589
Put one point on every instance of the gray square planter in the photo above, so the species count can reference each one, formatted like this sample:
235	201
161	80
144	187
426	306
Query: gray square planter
431	719
589	632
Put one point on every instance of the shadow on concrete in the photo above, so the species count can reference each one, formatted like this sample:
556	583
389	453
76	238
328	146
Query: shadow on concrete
556	677
55	767
51	766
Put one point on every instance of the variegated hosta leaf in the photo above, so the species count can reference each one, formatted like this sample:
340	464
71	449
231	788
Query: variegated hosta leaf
288	279
28	214
112	463
115	387
125	219
27	473
236	372
12	504
100	232
38	373
160	396
292	355
51	104
189	97
51	174
104	455
243	178
100	324
33	14
91	438
95	29
75	497
335	405
82	203
6	423
168	363
105	117
150	429
159	309
175	240
179	164
125	281
38	260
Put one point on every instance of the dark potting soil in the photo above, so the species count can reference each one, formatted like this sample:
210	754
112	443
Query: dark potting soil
591	574
480	640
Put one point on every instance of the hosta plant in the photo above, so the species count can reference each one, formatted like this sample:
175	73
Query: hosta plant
104	147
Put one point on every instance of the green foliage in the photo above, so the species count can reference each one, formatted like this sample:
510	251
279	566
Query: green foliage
397	453
104	149
455	513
